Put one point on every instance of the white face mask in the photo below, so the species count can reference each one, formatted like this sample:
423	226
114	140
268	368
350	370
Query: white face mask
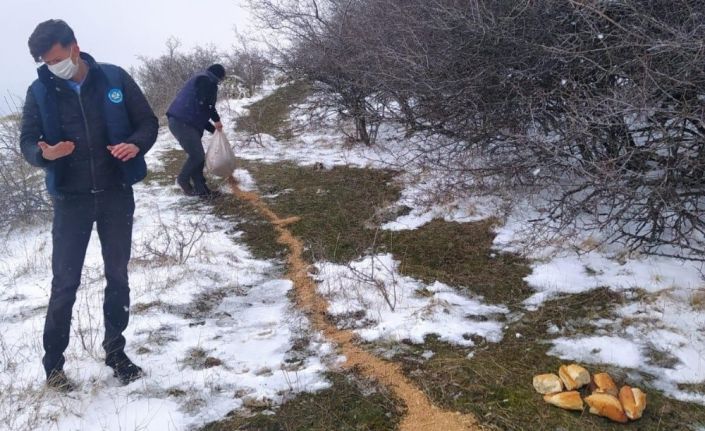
65	69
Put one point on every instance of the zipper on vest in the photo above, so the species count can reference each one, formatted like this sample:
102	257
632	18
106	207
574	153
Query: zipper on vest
88	139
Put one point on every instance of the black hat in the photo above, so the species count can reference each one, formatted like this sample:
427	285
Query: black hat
217	70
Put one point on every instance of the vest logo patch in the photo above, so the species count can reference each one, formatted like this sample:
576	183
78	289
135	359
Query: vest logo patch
115	95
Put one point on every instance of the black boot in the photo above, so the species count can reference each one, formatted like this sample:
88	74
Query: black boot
186	187
58	381
123	368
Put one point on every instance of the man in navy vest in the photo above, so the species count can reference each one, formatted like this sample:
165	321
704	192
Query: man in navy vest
189	115
89	126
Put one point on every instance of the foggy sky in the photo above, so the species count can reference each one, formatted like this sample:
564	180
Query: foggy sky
113	31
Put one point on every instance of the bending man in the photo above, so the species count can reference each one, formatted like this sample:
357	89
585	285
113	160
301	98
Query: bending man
189	115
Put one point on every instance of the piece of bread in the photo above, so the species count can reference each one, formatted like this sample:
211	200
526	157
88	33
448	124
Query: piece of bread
633	401
565	400
604	384
547	383
606	405
574	376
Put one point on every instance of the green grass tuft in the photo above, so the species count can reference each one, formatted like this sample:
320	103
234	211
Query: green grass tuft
350	404
336	206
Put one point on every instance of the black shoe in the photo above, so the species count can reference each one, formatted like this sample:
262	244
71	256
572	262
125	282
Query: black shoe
58	381
186	187
123	368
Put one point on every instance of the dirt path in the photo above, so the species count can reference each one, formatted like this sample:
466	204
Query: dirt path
421	414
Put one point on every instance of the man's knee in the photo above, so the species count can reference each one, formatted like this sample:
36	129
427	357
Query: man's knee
198	159
65	282
63	295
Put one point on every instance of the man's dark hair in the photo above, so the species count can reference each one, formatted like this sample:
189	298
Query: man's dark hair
47	34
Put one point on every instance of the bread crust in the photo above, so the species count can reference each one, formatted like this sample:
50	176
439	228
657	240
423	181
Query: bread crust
633	401
570	400
604	384
547	383
606	405
574	376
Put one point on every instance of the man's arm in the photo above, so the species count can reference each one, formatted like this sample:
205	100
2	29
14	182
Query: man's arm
141	115
31	132
207	95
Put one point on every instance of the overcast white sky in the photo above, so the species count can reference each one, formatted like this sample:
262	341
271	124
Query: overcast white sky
113	31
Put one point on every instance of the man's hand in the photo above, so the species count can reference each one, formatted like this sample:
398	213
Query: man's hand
53	152
218	125
124	151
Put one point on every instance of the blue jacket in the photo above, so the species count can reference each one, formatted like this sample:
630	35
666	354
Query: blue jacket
195	102
110	109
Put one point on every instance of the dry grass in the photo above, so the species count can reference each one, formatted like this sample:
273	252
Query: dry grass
495	383
338	211
271	114
350	404
335	206
460	254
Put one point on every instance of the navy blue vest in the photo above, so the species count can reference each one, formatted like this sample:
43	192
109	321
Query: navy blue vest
117	122
186	106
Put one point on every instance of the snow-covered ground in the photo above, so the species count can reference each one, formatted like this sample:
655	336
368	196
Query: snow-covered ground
664	310
658	331
214	328
373	298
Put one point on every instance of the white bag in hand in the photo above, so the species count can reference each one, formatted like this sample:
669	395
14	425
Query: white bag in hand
220	159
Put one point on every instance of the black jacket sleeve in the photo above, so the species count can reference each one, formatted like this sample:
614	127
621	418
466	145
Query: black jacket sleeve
31	132
142	118
207	94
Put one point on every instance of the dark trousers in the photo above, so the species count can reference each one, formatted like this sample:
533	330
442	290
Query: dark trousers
190	140
74	216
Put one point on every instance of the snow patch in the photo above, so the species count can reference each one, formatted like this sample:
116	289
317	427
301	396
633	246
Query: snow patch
210	324
387	305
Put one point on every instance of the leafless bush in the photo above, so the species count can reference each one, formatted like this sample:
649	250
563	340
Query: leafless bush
162	77
174	241
23	196
387	290
88	329
610	127
321	47
595	105
248	66
385	285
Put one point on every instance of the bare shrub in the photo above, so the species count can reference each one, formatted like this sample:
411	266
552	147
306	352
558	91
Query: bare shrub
23	198
174	242
387	290
248	66
162	77
88	329
321	47
597	107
